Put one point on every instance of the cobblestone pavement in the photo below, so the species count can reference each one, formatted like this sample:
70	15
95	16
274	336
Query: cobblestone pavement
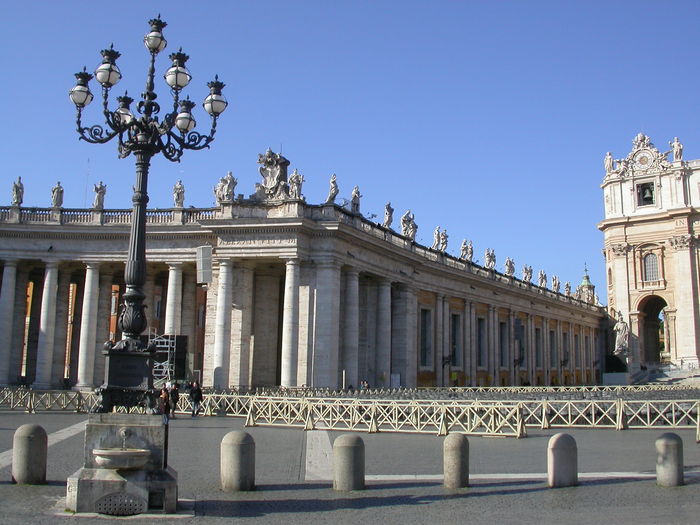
617	483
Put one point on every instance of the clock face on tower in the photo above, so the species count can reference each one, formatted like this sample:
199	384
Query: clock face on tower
642	160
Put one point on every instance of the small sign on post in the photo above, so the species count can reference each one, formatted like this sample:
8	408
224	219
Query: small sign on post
204	274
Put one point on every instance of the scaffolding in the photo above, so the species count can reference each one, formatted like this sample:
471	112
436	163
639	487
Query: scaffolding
164	362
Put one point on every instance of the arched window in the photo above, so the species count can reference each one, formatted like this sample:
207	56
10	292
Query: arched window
651	267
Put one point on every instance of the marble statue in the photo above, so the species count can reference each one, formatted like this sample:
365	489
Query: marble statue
436	239
443	240
273	170
463	249
295	182
567	289
405	223
57	195
542	279
556	285
179	194
220	191
412	228
230	186
577	293
510	267
333	192
388	216
18	192
609	163
355	200
677	148
527	273
100	190
490	259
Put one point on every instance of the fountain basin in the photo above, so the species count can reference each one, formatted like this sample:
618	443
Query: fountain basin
121	458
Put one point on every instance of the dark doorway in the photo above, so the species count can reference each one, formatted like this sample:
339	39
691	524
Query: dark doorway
651	329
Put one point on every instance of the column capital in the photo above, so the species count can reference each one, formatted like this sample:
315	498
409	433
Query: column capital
93	265
175	264
352	271
327	262
10	261
52	263
225	262
383	281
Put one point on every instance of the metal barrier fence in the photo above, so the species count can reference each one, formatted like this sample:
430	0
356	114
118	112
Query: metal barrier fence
440	417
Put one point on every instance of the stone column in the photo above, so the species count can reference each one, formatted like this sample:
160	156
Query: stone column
530	360
47	327
7	308
188	322
546	364
404	357
382	369
439	338
88	327
173	306
513	352
325	367
19	323
351	327
149	292
242	327
290	324
61	334
446	342
492	346
470	342
104	311
222	338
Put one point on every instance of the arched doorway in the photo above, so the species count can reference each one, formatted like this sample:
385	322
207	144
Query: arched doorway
651	329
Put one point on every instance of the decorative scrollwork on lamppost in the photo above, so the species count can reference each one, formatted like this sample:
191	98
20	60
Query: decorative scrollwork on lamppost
144	136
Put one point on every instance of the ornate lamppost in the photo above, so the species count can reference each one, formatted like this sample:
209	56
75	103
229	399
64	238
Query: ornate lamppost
144	136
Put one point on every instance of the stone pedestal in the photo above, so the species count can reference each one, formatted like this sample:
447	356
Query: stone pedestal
151	488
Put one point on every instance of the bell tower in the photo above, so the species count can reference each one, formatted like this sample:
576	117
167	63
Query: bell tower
651	229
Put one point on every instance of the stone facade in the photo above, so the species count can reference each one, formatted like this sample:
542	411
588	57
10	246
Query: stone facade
651	232
301	294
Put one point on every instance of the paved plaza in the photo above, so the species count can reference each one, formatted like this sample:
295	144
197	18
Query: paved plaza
294	471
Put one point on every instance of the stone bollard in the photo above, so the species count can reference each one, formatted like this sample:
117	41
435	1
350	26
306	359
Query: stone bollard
29	455
348	463
669	460
456	461
562	461
237	462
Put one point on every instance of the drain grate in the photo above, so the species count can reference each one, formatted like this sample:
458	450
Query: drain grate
120	504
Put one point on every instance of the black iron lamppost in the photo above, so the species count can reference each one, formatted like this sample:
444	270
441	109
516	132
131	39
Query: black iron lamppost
145	137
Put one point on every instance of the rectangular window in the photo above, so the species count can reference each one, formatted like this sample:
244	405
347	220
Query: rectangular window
456	339
553	350
538	348
426	338
481	342
503	343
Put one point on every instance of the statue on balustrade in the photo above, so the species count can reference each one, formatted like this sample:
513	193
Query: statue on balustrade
542	279
567	289
179	194
556	285
388	215
527	273
18	192
57	195
677	148
295	182
443	240
490	259
510	267
355	200
436	239
100	190
609	163
333	191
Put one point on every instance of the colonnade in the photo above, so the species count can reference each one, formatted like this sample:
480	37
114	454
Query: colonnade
291	322
53	326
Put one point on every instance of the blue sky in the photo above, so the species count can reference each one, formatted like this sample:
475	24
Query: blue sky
490	119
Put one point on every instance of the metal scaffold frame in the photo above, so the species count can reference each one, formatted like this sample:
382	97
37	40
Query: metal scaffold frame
164	364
